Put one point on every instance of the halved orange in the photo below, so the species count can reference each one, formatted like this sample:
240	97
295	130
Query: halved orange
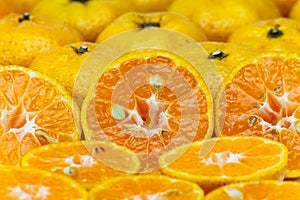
34	110
30	183
86	161
146	187
262	99
218	161
148	100
266	190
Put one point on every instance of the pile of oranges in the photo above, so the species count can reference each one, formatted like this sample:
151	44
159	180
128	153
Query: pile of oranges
149	99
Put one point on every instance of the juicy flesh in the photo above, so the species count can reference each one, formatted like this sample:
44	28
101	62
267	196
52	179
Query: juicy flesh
263	99
152	116
28	107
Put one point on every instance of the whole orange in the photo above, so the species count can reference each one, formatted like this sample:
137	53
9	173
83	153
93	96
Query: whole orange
151	5
22	38
285	6
89	16
219	18
167	20
62	63
280	34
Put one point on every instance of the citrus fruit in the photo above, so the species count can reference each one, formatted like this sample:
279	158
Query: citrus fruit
269	35
167	20
63	63
150	5
79	160
34	110
294	12
88	16
226	55
266	189
30	183
285	6
5	8
21	6
219	18
148	100
262	99
146	187
231	159
29	36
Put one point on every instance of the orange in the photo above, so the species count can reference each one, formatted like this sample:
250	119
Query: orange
88	16
270	35
167	20
148	100
226	55
285	6
218	161
21	6
35	111
62	63
82	161
5	8
267	190
294	12
22	38
146	187
151	5
262	99
219	18
30	183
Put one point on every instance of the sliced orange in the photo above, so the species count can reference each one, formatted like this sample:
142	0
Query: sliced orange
262	99
146	187
30	183
86	161
218	161
148	100
34	110
266	190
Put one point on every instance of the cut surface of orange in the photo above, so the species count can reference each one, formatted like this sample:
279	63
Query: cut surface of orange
146	187
231	159
79	160
30	183
262	99
266	190
34	110
148	100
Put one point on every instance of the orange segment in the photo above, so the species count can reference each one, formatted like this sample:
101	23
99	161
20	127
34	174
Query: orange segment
231	159
147	101
262	99
146	187
267	190
86	162
29	183
34	111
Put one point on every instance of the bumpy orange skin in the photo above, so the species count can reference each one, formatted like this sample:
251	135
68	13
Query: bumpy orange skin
219	18
285	38
165	20
90	17
29	38
151	5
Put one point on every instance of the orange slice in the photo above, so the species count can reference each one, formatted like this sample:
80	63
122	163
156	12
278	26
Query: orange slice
80	160
266	190
34	110
232	159
146	187
30	183
262	99
148	100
